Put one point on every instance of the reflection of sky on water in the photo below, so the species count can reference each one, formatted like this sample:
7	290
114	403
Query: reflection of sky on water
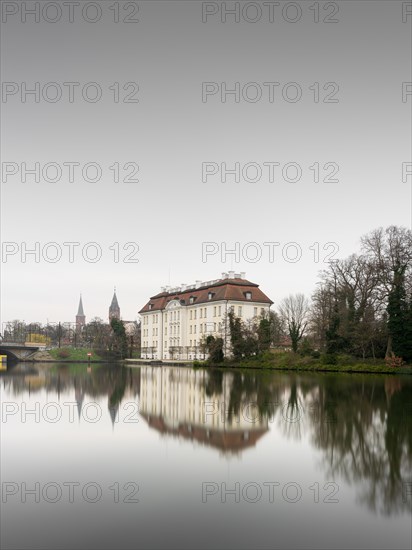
337	417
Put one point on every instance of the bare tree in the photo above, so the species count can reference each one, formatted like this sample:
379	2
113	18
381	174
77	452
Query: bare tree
321	311
390	251
294	312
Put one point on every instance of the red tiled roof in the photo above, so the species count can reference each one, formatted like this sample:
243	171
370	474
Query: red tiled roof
225	289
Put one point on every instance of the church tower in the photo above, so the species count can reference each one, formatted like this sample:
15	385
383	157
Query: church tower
114	309
80	317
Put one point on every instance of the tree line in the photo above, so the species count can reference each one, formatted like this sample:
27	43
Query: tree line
114	337
362	306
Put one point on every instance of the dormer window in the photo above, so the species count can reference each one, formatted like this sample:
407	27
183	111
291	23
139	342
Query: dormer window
150	306
248	295
191	299
210	295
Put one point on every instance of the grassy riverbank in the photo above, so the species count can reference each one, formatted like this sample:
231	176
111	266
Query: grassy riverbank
294	362
74	354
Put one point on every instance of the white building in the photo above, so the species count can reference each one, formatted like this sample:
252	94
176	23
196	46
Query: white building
175	321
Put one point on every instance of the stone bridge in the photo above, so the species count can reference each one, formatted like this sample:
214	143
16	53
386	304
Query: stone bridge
18	352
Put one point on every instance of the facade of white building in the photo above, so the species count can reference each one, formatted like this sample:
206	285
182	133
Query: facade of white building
176	321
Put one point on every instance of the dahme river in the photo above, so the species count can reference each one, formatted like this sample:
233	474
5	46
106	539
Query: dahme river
165	457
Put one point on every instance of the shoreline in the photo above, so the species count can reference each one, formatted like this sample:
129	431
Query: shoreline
347	369
318	367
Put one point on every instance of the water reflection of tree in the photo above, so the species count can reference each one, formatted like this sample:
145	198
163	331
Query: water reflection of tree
214	382
109	380
362	424
366	439
292	418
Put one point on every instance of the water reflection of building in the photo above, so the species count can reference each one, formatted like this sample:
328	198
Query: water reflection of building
79	394
174	401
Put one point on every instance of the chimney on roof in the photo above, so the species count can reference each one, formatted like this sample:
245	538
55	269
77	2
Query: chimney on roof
183	287
163	288
198	283
224	276
231	274
243	274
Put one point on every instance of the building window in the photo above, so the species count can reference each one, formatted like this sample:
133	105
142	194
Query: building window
214	311
205	313
262	311
255	311
201	313
194	331
191	311
150	306
191	300
165	317
220	311
194	314
248	295
210	296
239	311
190	329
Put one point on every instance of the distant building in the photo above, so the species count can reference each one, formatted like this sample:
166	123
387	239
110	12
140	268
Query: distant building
175	321
114	309
80	317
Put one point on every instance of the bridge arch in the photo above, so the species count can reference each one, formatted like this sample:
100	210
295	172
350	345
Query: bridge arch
11	357
17	352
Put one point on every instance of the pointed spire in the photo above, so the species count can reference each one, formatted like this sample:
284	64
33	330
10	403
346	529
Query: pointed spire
80	317
114	309
114	303
80	311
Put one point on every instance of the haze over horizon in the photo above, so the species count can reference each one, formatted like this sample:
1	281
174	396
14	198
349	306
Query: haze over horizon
316	136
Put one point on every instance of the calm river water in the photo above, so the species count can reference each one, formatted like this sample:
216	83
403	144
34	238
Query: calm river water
151	457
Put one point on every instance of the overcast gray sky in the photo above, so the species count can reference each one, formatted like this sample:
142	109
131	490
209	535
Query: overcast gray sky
314	100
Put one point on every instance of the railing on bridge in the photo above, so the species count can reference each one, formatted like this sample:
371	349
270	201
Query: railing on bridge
49	335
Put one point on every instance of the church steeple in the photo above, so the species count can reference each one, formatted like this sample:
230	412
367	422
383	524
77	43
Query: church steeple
80	317
114	309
